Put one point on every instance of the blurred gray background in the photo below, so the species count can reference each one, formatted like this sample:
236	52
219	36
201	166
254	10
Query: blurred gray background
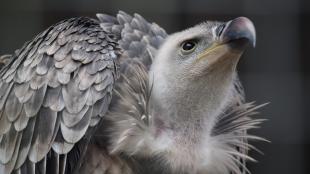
276	71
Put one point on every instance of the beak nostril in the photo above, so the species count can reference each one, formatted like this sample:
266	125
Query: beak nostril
220	29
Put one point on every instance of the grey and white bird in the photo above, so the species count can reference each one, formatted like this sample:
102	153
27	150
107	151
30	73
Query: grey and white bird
117	95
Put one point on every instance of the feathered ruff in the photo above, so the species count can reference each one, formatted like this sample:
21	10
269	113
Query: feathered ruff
129	112
231	135
131	117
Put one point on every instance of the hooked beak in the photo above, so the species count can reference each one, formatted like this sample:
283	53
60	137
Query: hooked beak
234	37
241	30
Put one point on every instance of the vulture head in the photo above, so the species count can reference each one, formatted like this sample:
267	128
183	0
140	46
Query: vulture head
194	71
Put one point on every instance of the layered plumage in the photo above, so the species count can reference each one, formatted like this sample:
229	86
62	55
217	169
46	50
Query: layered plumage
56	109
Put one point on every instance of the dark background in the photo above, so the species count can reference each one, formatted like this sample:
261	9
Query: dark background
276	71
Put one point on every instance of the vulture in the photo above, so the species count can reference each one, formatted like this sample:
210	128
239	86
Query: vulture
118	95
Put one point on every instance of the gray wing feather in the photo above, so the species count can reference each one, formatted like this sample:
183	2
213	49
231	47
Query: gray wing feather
9	166
25	143
63	78
59	104
70	119
33	105
22	121
74	98
46	123
12	107
7	145
43	66
5	91
22	92
42	166
52	78
30	167
52	96
60	146
5	124
74	133
48	95
62	164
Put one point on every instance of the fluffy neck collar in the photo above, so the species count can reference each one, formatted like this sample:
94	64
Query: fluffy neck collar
222	149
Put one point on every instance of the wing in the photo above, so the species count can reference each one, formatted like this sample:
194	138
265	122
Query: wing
53	92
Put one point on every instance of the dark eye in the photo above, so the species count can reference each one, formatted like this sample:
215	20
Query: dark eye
189	46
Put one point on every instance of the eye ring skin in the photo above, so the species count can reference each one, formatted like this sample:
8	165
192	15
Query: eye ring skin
188	46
